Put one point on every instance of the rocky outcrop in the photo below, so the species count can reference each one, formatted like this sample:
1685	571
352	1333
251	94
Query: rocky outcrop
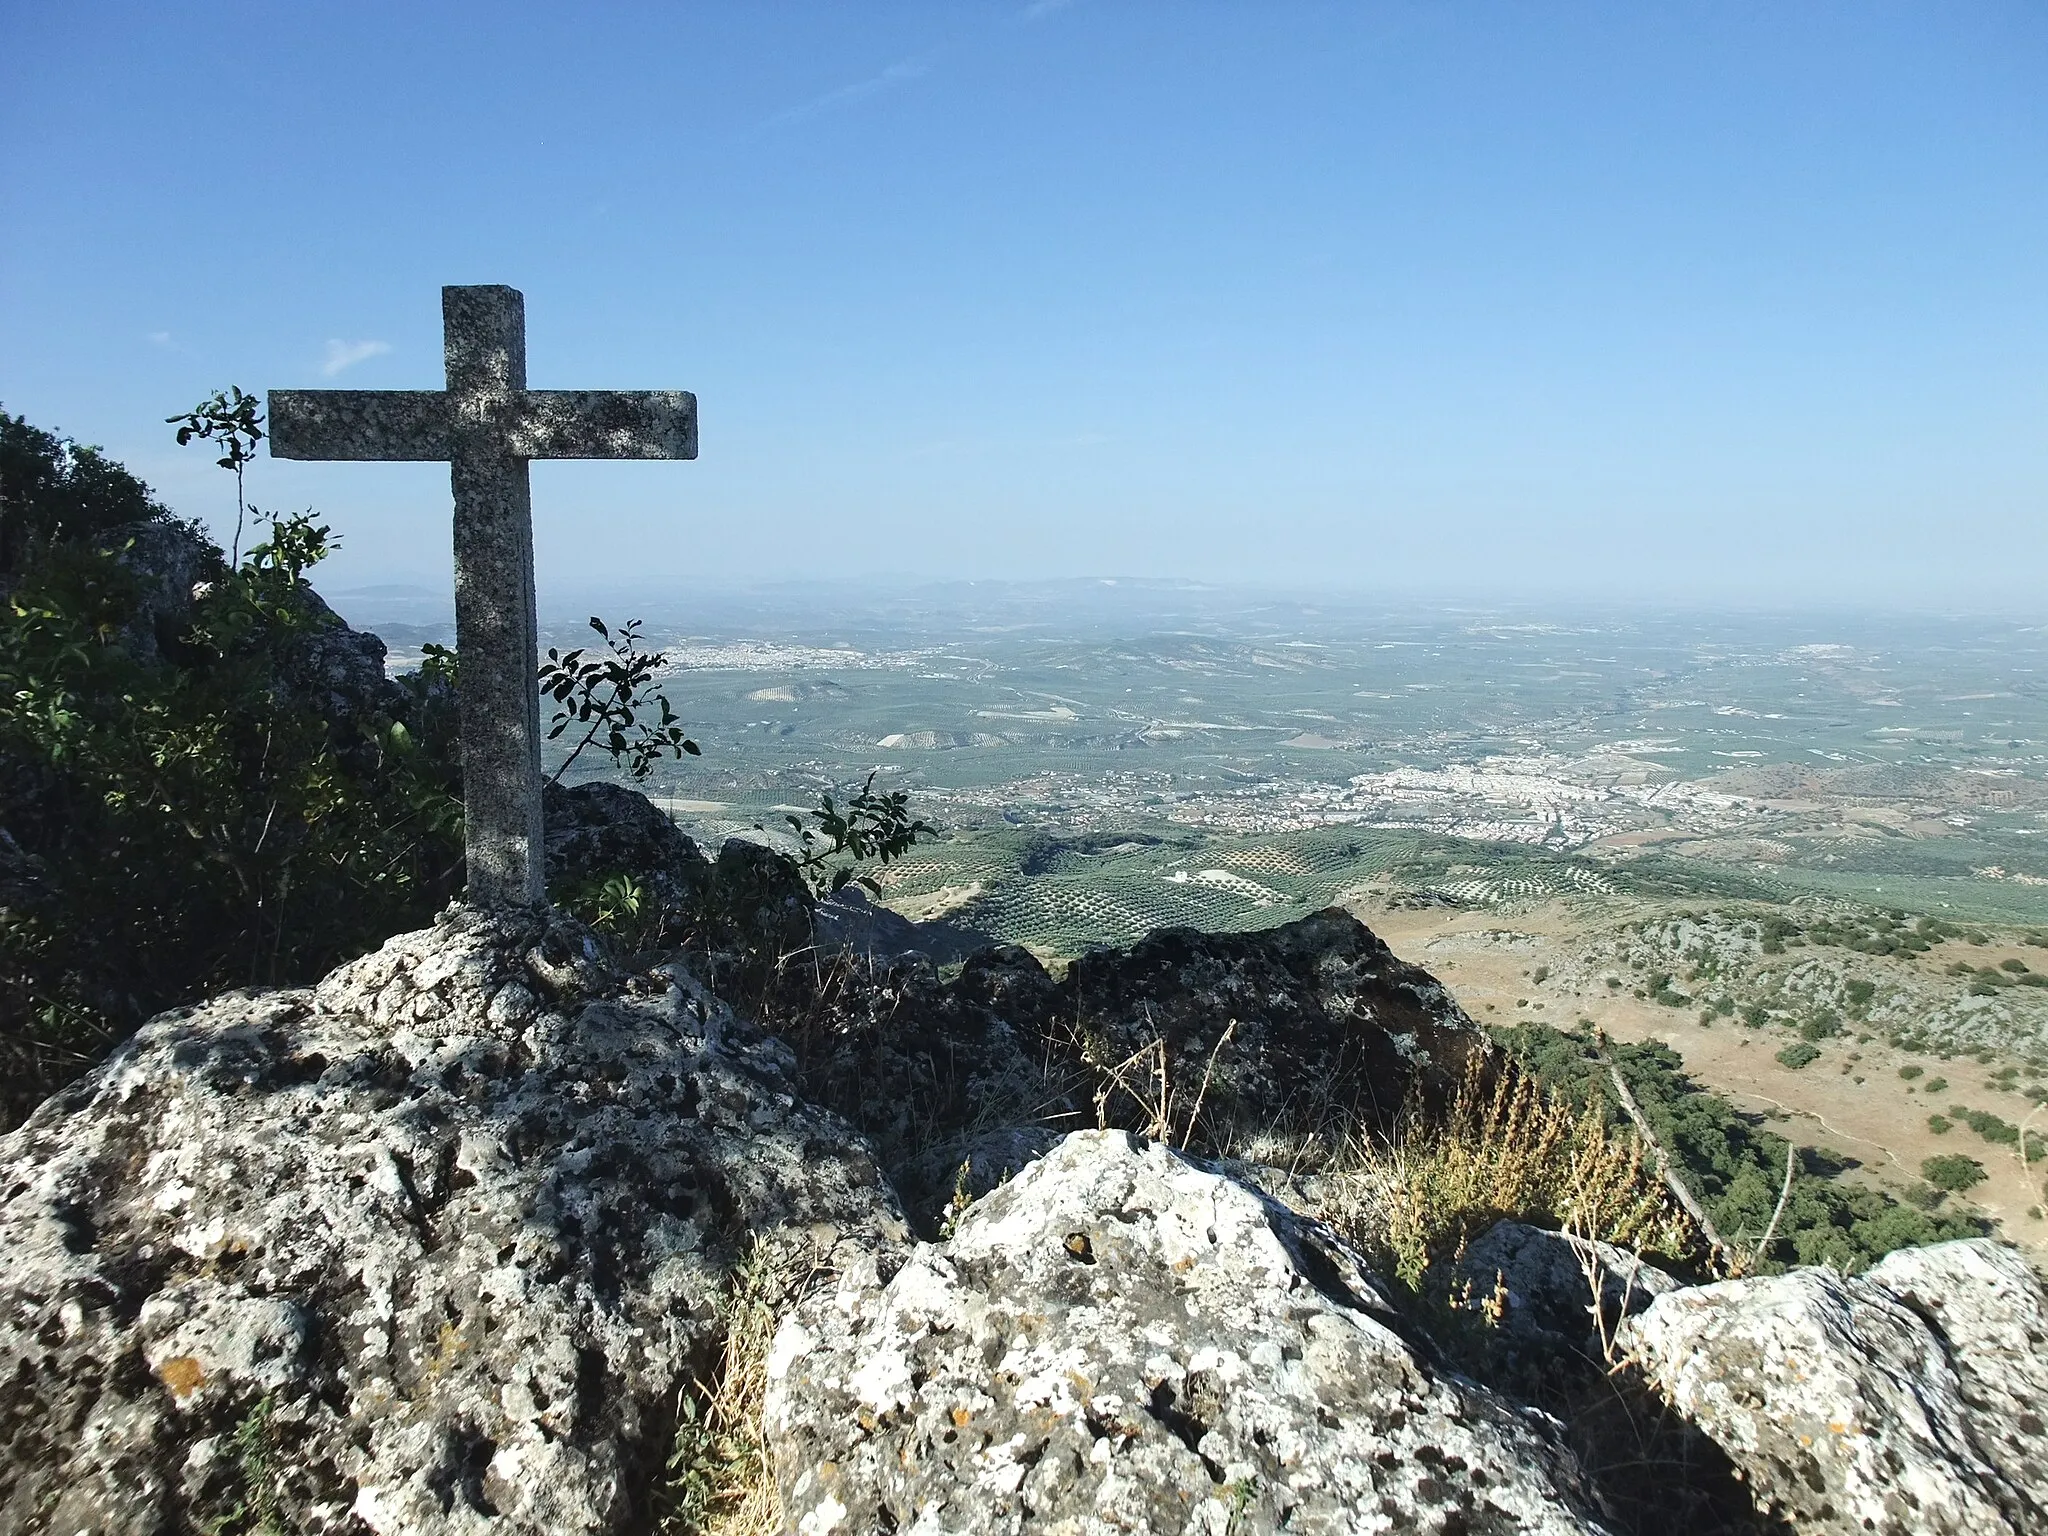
1311	1026
1906	1402
170	559
1121	1339
599	829
750	906
848	922
429	1248
335	671
1263	1046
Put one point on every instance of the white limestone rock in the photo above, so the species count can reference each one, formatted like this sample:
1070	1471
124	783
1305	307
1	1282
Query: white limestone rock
1904	1402
450	1225
1120	1339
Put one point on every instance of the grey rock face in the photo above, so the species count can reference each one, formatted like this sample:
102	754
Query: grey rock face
1281	1040
1121	1340
847	922
169	558
1548	1289
596	830
336	671
446	1229
1908	1400
1326	1027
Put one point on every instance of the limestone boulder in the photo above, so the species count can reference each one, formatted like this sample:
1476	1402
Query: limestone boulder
1122	1339
600	829
429	1248
1906	1402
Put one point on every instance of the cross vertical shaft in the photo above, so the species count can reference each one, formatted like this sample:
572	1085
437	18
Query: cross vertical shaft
496	629
487	425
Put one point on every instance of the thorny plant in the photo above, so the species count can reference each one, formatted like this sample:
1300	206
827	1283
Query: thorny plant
607	693
1504	1148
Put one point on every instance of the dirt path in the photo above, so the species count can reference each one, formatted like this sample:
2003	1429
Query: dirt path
1856	1108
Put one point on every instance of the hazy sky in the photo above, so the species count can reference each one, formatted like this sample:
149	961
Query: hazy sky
1710	301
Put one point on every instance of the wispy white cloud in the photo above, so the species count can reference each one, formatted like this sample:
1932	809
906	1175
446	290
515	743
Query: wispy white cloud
346	354
902	72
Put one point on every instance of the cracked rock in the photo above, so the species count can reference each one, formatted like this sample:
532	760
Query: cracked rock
1120	1339
440	1238
1904	1402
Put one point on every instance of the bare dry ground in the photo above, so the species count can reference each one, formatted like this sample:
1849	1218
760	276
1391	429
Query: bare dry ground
1855	1108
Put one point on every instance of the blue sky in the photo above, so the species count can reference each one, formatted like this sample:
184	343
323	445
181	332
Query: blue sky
1712	302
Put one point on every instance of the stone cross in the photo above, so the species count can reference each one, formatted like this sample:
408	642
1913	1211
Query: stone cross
487	424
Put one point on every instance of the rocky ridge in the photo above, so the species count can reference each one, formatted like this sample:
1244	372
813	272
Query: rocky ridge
443	1239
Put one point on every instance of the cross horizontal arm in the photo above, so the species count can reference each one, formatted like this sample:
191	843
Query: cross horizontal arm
360	424
603	424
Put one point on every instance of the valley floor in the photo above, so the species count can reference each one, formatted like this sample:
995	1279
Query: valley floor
1549	962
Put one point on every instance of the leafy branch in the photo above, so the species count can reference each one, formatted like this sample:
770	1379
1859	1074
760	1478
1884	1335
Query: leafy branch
233	421
878	827
606	694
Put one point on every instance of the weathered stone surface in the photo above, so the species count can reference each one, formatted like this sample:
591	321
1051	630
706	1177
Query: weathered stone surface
1326	1028
169	560
1549	1292
487	424
1121	1340
1282	1039
597	830
454	1219
929	1069
336	671
1907	1400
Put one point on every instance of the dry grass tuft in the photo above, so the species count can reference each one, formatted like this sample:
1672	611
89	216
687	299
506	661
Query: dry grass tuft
718	1479
1505	1147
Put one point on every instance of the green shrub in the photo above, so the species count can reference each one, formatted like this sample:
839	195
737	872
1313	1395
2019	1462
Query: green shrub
1910	1072
1953	1172
1937	1085
1735	1167
188	815
1824	1025
1985	1124
1798	1054
1941	1125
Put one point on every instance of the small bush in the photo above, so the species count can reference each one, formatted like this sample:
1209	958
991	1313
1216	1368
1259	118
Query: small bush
1508	1148
1937	1085
1953	1172
1911	1072
1989	1126
1799	1054
1822	1026
1941	1125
